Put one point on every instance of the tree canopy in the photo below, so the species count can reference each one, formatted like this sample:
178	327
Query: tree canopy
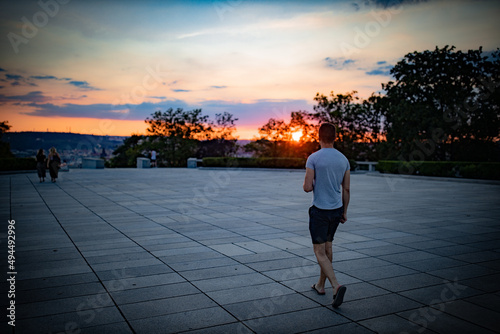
177	135
442	105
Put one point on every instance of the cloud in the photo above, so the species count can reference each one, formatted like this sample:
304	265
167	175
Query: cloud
180	90
33	97
218	87
385	4
18	80
82	85
383	68
14	77
49	77
2	70
103	110
338	63
44	77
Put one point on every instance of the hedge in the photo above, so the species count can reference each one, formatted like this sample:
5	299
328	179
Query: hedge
473	170
10	164
293	163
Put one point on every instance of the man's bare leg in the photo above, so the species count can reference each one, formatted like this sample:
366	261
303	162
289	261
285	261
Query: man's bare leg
320	285
323	254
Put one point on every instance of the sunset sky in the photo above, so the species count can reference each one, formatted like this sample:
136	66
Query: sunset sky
102	67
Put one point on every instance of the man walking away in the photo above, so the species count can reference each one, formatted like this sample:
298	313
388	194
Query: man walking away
328	177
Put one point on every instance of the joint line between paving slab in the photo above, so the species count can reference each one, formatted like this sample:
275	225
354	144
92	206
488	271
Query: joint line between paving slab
104	220
280	283
327	306
241	263
83	257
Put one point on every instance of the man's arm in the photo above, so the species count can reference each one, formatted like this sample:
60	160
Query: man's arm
309	180
346	194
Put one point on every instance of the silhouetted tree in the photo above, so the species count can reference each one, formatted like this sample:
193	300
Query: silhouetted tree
177	133
443	105
358	123
221	142
126	154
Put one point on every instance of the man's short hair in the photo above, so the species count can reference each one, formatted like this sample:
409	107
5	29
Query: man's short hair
327	133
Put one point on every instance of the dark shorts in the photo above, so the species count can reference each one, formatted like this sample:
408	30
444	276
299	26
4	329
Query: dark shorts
323	223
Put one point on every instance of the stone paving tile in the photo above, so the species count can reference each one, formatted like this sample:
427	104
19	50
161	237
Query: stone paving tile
297	321
375	306
177	322
395	324
117	274
231	250
377	273
435	263
231	282
202	264
229	328
407	282
489	301
56	306
128	296
402	258
293	273
268	256
265	307
66	291
487	283
279	264
475	314
121	283
256	247
106	320
158	307
436	294
245	293
434	320
55	281
478	257
350	328
207	273
462	272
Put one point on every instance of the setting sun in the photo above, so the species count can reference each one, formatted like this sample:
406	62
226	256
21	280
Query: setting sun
296	135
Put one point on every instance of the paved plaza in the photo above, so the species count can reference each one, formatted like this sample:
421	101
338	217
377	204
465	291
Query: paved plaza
228	251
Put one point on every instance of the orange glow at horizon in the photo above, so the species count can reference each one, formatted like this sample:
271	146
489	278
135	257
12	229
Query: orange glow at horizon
98	127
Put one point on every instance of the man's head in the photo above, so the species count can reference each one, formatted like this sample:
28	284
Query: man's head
327	133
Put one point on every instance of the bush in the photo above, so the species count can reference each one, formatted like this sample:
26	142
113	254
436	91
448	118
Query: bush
473	170
294	163
10	164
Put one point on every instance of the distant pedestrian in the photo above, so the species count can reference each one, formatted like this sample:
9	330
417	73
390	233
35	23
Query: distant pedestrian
41	163
328	177
153	158
53	163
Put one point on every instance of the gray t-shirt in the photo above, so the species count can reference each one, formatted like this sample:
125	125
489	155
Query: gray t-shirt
329	167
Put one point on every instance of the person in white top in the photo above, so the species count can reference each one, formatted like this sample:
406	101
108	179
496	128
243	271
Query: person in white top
153	158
